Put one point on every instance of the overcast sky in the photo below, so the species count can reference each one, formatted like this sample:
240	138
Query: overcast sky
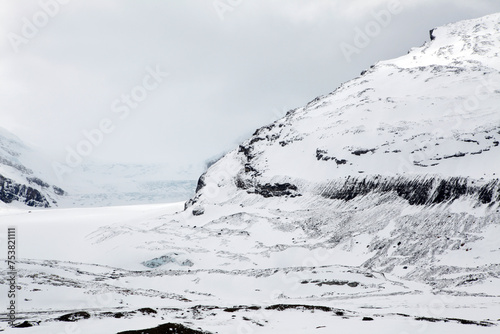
233	65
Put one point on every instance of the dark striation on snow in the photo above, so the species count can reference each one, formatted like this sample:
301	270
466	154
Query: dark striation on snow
58	191
171	258
11	191
460	321
14	165
37	181
330	282
241	308
417	191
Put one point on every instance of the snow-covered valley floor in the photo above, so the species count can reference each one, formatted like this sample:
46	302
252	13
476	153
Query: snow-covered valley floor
137	267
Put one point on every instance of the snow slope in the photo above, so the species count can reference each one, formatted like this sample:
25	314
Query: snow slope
374	209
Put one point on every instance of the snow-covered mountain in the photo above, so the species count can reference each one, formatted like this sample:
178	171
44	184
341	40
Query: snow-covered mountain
400	162
28	178
21	179
433	113
372	209
104	184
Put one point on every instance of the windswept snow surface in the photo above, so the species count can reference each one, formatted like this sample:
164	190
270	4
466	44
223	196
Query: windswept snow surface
374	209
243	272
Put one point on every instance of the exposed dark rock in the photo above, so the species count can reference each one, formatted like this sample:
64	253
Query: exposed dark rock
363	151
76	316
238	308
26	324
456	155
470	141
428	319
246	150
461	321
169	328
264	128
282	307
250	169
147	310
11	191
201	182
331	282
267	190
471	322
431	34
276	190
198	211
322	155
254	140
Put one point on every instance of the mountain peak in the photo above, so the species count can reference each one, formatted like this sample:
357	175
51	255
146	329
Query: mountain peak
475	41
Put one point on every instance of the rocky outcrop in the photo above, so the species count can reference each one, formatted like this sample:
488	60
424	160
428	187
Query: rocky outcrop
11	191
269	190
166	328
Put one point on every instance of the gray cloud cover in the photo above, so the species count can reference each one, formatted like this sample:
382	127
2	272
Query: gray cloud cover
232	66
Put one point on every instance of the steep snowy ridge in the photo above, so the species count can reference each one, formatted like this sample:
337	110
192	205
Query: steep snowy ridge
432	112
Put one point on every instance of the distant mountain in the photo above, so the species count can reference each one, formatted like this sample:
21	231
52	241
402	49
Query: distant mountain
106	184
20	181
27	178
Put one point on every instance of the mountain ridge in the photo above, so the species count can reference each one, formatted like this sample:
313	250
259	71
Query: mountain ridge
430	112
